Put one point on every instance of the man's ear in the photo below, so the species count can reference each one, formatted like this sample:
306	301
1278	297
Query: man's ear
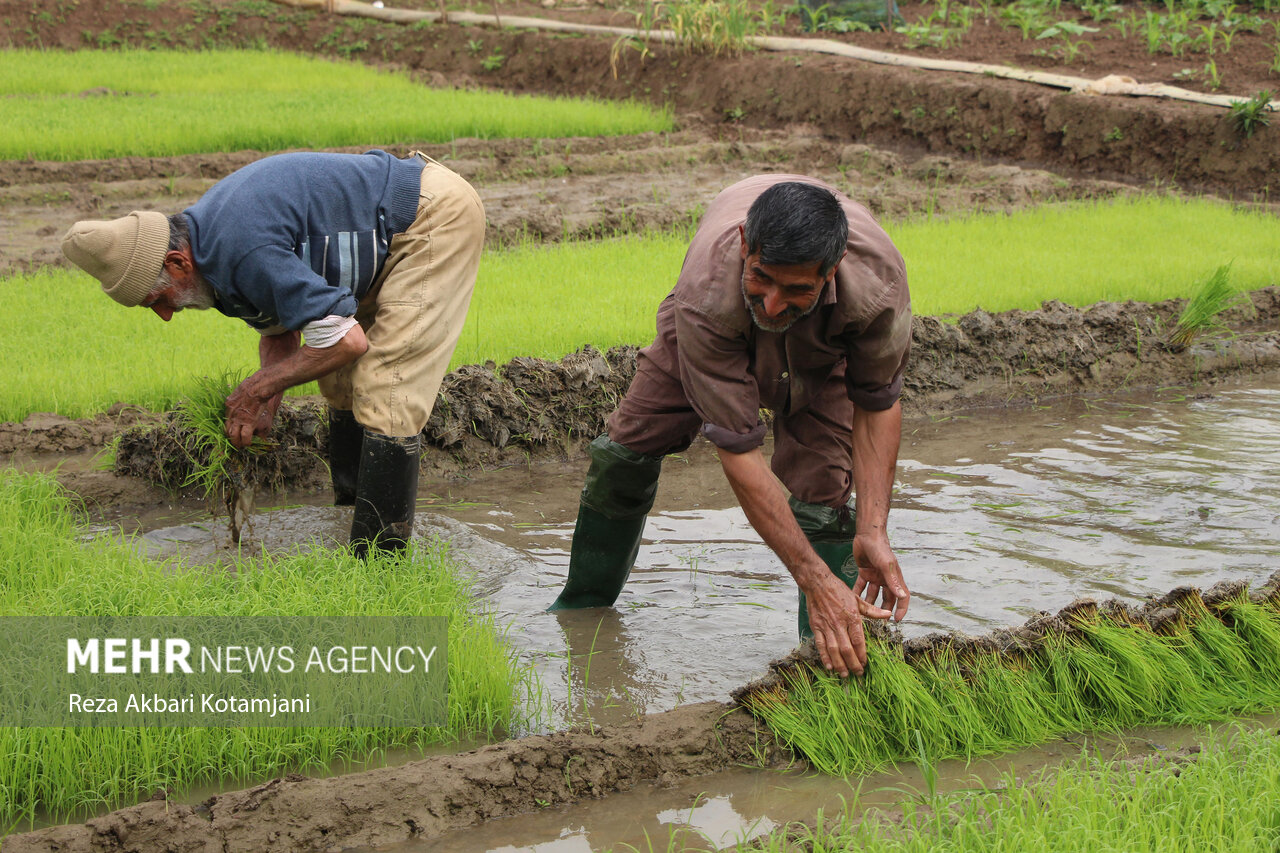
742	236
179	261
831	276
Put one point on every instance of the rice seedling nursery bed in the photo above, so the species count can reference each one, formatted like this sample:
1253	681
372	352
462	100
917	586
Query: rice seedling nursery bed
1029	218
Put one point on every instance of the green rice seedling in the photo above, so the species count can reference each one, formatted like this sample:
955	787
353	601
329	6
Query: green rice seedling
1227	650
1212	297
1080	671
46	570
965	724
1018	690
62	105
1080	253
218	467
847	719
1153	672
1081	681
1222	799
895	693
1251	115
1260	634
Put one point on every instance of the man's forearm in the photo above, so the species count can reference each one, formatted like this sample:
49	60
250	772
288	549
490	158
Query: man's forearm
285	364
876	438
835	613
276	348
252	406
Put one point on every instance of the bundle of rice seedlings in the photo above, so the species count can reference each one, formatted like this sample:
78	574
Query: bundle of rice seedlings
217	466
1181	658
1215	295
189	448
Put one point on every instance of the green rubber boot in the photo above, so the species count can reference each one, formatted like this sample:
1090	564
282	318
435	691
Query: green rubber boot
345	439
386	493
618	494
832	539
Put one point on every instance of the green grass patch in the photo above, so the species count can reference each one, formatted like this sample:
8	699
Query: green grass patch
96	104
549	300
67	772
1104	674
1225	799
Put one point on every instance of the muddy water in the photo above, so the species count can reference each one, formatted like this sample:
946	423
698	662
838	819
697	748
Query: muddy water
995	517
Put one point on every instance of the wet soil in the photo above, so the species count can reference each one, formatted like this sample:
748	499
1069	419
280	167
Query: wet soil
900	141
540	191
429	797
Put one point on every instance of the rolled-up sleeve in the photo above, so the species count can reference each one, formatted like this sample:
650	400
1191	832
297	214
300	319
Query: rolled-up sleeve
878	354
715	372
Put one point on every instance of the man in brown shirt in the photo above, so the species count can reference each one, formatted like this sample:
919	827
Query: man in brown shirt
792	299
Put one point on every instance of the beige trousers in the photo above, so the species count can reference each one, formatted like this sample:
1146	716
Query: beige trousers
414	311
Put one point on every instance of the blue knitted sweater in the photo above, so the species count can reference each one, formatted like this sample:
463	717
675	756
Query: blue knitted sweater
294	238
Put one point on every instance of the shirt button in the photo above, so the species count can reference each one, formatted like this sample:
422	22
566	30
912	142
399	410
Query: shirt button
785	374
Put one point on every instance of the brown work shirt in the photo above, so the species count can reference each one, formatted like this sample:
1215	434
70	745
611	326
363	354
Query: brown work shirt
730	369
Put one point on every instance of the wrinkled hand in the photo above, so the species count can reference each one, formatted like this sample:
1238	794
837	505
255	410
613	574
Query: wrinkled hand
879	575
249	413
835	616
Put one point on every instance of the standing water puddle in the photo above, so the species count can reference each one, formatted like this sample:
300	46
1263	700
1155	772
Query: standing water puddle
996	516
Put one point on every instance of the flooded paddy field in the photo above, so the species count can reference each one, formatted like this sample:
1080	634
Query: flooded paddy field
997	516
1047	455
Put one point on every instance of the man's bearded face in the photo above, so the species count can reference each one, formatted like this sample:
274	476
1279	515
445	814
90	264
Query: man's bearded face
779	296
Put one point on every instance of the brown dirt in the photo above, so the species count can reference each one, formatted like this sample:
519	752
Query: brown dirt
899	141
427	798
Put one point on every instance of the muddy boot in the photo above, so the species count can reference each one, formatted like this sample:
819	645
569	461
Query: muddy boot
386	494
619	493
345	438
830	532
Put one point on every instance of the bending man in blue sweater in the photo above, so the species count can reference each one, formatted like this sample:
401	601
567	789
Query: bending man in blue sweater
356	270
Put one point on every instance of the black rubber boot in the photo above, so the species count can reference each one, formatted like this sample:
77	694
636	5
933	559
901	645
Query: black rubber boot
830	532
618	494
345	439
386	494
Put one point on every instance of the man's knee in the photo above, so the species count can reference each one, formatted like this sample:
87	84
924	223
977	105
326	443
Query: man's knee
621	483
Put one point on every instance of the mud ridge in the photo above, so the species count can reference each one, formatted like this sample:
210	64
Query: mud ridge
532	408
426	798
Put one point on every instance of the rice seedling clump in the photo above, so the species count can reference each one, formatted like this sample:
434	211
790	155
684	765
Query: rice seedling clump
1184	658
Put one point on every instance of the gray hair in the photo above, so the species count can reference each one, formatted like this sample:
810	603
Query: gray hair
796	223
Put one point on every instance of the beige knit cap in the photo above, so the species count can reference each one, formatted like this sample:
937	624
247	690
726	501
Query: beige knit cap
125	254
